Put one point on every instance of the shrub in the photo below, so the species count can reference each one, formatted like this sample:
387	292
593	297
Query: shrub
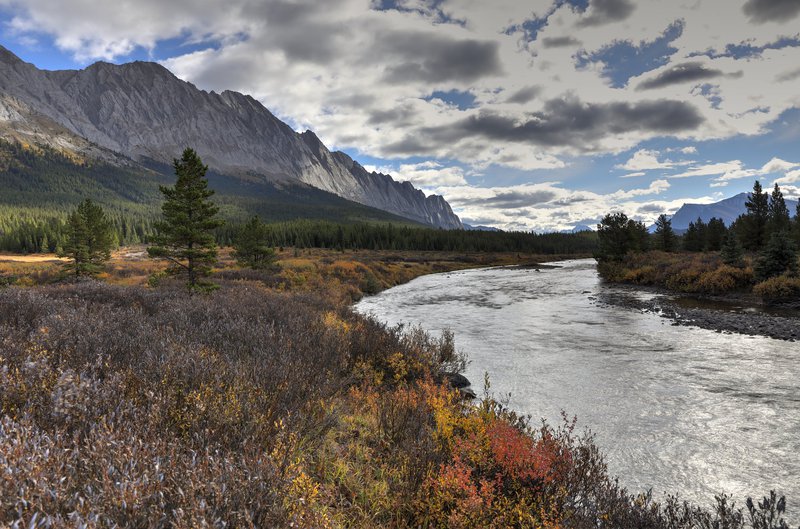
724	279
781	288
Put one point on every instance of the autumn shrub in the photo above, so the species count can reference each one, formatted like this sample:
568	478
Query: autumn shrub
780	288
723	279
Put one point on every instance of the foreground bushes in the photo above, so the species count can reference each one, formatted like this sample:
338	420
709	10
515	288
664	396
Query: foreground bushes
129	407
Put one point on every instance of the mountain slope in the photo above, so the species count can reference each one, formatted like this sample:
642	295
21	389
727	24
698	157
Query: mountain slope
728	210
40	185
142	111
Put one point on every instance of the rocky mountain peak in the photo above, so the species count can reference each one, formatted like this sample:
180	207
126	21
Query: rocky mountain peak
143	111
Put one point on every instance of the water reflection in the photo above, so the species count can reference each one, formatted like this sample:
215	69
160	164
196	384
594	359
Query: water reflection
674	408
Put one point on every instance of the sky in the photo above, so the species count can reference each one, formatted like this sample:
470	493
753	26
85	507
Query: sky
528	115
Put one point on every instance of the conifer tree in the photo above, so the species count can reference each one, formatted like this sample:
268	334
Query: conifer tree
756	218
779	257
731	252
252	248
715	234
665	239
185	236
694	240
89	239
779	219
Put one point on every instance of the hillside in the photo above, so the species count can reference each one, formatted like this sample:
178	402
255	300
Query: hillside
142	112
41	185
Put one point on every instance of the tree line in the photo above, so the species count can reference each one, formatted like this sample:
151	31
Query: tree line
767	229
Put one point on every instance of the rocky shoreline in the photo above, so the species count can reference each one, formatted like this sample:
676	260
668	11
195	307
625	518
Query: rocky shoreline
747	323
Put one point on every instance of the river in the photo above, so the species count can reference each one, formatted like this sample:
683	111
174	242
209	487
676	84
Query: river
675	409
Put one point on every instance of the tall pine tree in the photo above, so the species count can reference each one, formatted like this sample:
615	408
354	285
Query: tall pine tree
779	219
754	236
665	239
185	236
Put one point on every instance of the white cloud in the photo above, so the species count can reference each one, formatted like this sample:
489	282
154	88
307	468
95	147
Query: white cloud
549	206
647	160
711	169
776	165
792	177
425	174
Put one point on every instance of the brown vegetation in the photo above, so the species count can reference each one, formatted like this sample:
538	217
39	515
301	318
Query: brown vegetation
270	403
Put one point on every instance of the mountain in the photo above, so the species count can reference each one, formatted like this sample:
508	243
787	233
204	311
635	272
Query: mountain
481	228
141	113
728	210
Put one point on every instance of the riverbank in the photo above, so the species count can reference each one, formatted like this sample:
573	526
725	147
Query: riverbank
732	315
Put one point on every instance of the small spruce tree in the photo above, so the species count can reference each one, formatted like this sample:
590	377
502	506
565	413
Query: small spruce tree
251	247
732	253
779	257
185	236
89	240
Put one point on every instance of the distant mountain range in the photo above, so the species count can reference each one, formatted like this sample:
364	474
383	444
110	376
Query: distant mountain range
728	210
480	228
139	115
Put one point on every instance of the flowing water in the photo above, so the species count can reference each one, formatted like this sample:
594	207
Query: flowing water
675	409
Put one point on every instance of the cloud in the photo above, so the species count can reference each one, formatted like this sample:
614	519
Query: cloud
602	12
563	123
425	174
524	95
711	169
792	177
423	56
776	165
560	42
549	206
680	73
647	160
761	11
633	175
788	76
735	170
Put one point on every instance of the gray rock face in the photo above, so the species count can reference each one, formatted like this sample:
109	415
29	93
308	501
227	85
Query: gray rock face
143	111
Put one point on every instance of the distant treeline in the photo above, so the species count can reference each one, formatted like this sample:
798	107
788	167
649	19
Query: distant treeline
27	231
385	236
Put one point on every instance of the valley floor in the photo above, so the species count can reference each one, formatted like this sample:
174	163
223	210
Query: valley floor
270	403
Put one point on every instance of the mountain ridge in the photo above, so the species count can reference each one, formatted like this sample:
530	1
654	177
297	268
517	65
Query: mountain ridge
143	111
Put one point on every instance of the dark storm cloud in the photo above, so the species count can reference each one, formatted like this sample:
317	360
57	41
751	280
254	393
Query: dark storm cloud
681	73
559	42
423	56
562	123
524	95
511	199
760	11
606	11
